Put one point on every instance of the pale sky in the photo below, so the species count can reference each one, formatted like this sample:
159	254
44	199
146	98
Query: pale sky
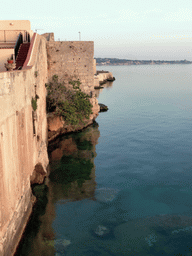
131	29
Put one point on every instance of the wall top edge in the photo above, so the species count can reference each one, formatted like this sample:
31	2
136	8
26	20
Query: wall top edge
70	41
30	52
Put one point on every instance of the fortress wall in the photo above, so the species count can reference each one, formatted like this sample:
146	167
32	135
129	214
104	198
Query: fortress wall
72	60
94	66
49	36
23	150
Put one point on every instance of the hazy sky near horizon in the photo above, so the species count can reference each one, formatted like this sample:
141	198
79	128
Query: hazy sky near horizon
131	29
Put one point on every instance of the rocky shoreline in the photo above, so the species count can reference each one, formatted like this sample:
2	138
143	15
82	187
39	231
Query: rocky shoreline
101	77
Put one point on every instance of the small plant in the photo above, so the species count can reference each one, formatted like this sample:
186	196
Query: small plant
36	74
10	60
34	103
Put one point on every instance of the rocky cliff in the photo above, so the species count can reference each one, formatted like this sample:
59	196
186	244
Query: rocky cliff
57	126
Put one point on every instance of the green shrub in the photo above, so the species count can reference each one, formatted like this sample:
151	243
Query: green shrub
73	105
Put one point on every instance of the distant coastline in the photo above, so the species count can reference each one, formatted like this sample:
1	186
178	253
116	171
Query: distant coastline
125	62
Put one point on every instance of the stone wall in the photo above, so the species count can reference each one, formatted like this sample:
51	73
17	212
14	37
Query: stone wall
23	144
72	61
49	36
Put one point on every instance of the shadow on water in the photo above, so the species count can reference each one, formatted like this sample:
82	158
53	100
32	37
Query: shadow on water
71	178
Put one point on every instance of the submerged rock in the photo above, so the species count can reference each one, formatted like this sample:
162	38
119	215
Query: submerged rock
58	244
101	230
63	242
132	235
186	229
151	239
106	195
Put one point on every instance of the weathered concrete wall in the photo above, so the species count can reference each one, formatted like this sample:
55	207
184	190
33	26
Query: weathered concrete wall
23	144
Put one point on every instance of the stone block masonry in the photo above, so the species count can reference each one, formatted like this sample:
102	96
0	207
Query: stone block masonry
72	60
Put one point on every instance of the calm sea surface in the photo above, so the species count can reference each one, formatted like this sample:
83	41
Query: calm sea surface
129	189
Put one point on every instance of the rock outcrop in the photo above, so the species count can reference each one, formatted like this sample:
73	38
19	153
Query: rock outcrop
57	126
101	77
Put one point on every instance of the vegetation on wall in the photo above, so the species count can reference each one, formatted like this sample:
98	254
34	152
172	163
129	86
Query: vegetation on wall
34	103
36	73
73	105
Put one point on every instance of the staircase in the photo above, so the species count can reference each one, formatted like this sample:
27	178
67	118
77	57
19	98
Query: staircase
22	55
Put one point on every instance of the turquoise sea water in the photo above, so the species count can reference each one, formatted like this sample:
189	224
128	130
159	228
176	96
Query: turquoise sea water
139	198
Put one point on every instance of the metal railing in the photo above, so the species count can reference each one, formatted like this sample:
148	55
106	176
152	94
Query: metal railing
17	45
